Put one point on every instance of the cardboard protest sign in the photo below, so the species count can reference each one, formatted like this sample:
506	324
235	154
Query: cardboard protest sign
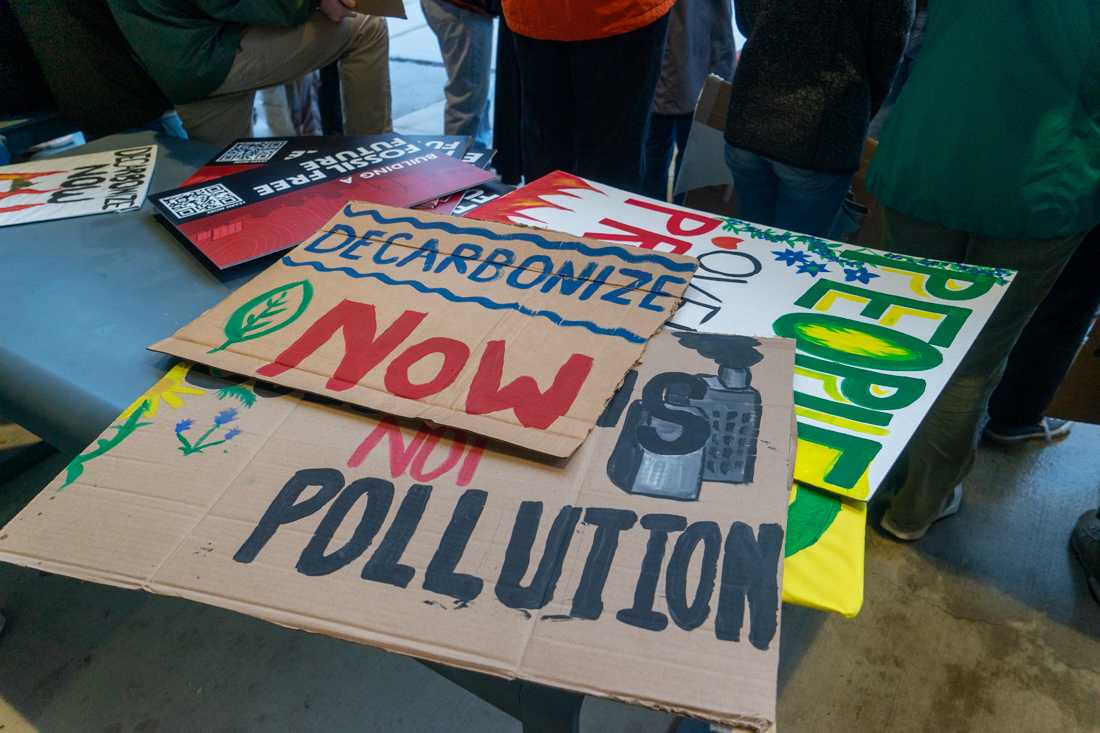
275	207
79	185
879	334
489	328
249	153
647	568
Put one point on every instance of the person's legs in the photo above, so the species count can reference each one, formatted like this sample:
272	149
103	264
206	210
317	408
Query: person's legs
302	103
658	155
219	119
808	201
615	80
681	128
1048	345
755	185
365	76
547	102
269	56
942	450
466	43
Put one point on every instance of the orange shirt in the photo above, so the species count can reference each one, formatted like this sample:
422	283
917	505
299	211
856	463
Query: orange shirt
581	20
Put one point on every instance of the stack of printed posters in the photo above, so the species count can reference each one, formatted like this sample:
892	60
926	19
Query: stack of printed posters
262	196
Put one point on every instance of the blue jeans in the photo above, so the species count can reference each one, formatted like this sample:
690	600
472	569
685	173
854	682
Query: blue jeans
666	133
778	195
466	43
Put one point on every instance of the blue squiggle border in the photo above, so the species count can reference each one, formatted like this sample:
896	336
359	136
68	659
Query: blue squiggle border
551	316
609	250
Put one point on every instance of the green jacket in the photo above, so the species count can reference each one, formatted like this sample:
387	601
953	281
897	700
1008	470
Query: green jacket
997	131
188	46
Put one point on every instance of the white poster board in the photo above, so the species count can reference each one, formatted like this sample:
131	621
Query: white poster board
879	334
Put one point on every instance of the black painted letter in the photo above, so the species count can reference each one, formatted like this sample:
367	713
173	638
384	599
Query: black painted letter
440	576
641	614
384	565
313	560
518	556
588	601
284	510
686	616
748	571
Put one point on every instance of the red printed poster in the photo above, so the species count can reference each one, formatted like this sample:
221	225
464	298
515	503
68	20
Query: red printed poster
271	209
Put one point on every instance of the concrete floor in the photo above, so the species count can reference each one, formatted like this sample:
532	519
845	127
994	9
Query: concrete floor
986	625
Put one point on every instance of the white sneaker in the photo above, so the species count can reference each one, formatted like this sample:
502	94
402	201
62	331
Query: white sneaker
951	506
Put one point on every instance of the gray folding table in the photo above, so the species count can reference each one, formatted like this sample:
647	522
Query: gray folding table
82	298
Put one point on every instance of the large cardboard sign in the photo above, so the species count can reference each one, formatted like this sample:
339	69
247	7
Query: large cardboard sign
79	185
647	568
879	334
274	207
494	329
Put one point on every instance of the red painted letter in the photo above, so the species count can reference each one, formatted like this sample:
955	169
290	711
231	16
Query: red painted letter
677	220
363	350
641	237
455	353
458	445
533	407
400	454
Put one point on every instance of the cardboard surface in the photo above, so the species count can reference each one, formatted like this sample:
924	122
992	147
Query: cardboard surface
879	334
494	329
274	207
78	185
1079	396
646	568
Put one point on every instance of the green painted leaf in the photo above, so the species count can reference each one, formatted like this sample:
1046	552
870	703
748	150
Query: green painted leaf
257	317
808	518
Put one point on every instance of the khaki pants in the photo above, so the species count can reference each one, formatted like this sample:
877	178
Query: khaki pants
269	56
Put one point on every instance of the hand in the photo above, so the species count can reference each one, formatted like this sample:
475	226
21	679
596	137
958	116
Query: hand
337	10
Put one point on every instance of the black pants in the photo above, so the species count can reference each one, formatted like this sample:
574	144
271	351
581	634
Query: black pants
586	104
1045	351
666	133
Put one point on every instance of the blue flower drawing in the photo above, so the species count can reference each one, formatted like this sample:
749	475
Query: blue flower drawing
207	439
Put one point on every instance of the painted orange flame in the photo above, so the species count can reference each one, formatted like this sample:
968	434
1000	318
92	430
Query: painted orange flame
533	196
25	176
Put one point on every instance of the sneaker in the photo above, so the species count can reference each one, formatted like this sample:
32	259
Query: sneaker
1048	430
1085	541
951	506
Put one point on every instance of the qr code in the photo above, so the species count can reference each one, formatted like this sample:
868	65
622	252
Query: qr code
205	200
253	152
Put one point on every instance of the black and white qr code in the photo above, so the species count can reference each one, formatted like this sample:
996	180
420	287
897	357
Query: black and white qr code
205	200
260	151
